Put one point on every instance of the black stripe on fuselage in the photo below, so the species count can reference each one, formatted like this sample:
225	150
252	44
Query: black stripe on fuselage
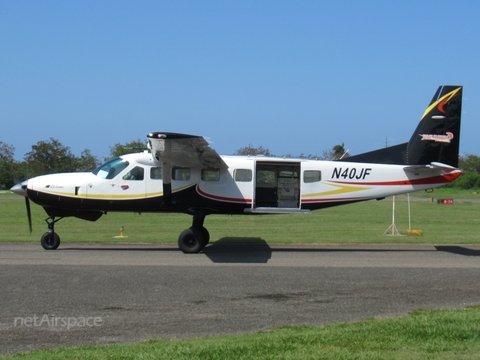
182	201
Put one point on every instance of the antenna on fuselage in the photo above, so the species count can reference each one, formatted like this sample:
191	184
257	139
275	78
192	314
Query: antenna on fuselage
345	153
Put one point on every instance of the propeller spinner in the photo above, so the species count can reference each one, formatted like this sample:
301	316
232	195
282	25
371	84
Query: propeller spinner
21	189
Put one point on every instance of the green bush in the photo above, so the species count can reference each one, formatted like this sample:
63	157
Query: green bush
469	180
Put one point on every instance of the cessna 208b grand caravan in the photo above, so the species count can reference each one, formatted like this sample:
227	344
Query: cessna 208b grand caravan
182	173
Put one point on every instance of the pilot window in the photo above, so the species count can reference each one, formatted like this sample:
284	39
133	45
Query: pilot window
310	176
182	174
110	169
210	174
242	175
156	173
135	174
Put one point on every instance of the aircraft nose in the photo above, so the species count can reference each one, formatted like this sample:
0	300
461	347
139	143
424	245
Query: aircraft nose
20	189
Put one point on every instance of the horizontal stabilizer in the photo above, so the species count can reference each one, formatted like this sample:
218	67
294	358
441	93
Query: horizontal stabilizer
443	166
431	167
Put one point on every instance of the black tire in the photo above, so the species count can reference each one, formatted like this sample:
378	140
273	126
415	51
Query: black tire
206	235
191	241
50	241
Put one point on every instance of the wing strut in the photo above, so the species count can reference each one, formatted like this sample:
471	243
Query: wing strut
167	174
167	183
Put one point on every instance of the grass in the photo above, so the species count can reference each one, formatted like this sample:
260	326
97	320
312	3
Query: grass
424	334
355	223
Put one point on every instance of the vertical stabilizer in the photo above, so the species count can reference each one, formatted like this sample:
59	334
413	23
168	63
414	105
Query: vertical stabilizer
437	137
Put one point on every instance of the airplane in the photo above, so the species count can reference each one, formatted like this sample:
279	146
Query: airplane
182	173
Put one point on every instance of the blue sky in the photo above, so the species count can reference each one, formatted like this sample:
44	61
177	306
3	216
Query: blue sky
292	76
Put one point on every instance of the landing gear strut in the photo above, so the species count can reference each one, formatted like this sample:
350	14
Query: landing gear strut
195	238
50	240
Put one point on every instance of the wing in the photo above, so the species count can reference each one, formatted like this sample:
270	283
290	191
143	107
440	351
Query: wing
183	150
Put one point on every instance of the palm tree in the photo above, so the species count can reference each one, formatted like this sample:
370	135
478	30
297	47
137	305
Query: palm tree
339	151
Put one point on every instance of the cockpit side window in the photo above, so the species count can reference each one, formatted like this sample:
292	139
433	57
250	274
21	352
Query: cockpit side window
111	168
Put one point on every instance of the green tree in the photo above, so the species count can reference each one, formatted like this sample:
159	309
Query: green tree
468	180
469	163
20	171
49	157
250	150
87	162
128	148
339	152
7	165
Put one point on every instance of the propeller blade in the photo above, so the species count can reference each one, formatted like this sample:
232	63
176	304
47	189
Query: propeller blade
29	213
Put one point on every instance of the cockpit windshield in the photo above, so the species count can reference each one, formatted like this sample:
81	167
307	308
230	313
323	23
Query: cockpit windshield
111	168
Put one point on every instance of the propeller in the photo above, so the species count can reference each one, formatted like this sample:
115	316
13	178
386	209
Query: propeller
29	213
21	189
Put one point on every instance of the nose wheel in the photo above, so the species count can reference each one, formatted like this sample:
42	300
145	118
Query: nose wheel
50	240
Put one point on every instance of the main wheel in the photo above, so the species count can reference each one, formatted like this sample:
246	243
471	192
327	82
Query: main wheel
205	234
191	241
50	240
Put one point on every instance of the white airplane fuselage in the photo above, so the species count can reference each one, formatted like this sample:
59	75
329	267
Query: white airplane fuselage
249	184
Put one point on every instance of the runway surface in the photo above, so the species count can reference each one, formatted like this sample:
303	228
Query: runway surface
107	294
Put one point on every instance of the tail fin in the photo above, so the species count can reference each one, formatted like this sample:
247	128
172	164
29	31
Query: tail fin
436	138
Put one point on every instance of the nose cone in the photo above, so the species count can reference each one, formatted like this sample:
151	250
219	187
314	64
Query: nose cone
20	189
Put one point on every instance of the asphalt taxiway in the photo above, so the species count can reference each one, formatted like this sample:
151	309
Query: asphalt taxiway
141	292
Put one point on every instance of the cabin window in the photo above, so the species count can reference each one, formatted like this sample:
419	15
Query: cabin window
156	173
181	173
136	174
266	178
210	174
242	175
111	168
310	176
287	177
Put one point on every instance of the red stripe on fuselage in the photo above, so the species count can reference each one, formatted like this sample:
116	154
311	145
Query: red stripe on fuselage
223	198
446	178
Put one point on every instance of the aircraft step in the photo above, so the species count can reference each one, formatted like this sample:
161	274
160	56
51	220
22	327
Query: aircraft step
276	210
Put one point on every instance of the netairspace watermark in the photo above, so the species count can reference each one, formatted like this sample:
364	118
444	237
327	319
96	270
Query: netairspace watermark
62	322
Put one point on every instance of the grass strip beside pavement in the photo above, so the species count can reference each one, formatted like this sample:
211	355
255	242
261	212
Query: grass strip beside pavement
424	334
361	223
